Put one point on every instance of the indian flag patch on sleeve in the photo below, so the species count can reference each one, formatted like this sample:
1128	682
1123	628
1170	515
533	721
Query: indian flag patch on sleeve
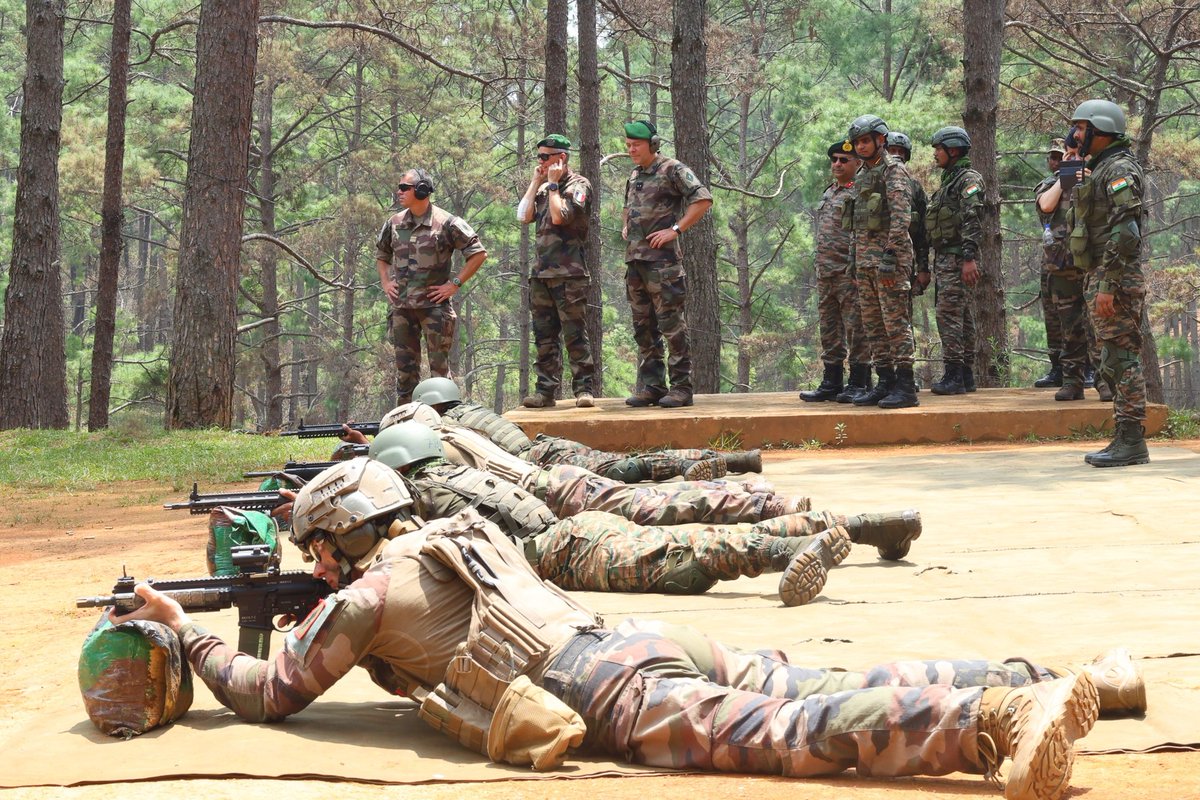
1118	185
971	190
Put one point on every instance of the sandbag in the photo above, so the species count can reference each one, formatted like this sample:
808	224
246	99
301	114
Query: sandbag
231	527
133	677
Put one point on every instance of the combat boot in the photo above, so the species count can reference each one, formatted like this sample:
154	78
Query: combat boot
1120	686
903	393
538	401
1052	378
704	470
887	376
742	461
892	532
952	380
780	506
585	400
1069	391
805	575
1127	449
676	398
644	397
831	385
1104	389
859	383
1036	726
968	375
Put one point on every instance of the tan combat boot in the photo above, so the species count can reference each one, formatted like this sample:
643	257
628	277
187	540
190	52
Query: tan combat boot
705	469
892	532
805	575
1035	726
1120	685
538	401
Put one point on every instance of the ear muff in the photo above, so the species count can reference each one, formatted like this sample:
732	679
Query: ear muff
655	142
423	188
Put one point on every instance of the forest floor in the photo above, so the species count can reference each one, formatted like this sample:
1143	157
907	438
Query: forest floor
54	547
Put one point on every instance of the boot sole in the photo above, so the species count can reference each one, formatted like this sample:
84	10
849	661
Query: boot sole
837	546
803	579
1129	462
705	470
1042	764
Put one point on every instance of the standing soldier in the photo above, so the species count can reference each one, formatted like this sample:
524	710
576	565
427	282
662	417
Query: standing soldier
413	255
900	146
560	201
1069	333
1106	236
837	296
955	231
658	190
883	259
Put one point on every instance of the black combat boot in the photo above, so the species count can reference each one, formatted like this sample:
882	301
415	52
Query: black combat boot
743	461
1052	378
1070	391
1128	447
952	380
859	383
831	385
969	378
887	376
903	393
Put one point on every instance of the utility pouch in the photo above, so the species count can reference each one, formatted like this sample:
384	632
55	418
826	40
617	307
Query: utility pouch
847	220
875	212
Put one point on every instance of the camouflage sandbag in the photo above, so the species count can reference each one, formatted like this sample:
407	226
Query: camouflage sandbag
230	527
133	677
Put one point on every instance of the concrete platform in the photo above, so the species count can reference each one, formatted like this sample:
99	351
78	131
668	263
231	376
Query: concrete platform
781	419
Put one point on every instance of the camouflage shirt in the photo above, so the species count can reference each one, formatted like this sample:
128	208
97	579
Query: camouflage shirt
1107	218
560	247
834	229
953	216
420	251
1055	256
916	228
882	214
656	198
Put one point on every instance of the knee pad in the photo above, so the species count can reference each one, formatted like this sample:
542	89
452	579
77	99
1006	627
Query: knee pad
628	470
1114	361
684	575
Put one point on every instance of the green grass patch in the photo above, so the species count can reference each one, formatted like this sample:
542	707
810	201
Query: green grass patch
32	459
1182	423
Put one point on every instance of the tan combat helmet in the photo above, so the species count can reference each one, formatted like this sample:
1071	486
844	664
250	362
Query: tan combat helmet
415	411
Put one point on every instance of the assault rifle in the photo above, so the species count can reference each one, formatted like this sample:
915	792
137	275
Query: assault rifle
322	431
302	470
261	592
247	501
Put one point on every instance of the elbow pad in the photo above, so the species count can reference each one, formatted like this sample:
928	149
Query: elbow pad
522	209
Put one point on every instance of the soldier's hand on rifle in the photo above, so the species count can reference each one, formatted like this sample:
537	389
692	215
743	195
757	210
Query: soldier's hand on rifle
284	510
970	273
352	436
158	608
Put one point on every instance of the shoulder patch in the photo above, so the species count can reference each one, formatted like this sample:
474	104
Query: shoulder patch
580	196
971	190
1118	184
300	638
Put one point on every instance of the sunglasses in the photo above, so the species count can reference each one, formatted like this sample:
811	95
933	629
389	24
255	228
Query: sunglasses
309	551
840	159
404	187
546	156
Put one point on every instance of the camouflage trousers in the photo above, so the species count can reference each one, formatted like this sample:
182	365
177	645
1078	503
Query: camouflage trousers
656	293
886	316
1069	322
1120	338
548	451
407	326
665	695
955	312
599	552
840	320
559	306
571	490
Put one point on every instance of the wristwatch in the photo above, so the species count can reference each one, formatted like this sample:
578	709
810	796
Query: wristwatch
676	229
455	280
553	187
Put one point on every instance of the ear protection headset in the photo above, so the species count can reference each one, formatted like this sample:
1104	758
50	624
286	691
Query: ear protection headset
655	141
423	187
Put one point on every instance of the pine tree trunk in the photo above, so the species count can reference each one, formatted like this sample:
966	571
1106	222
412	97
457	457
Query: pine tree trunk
556	66
589	166
33	358
200	386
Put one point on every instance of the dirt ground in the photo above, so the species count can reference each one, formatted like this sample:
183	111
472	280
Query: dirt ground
54	548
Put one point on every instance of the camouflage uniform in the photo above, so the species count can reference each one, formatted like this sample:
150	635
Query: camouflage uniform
651	693
955	231
420	251
558	287
1069	333
837	295
883	249
919	236
655	199
597	551
1107	220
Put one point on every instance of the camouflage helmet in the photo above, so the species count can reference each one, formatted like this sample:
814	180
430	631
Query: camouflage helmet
351	503
951	136
1104	116
898	139
406	443
867	123
432	391
1058	146
416	411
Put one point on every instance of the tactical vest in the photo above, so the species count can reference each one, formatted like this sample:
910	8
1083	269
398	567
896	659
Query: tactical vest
468	448
518	513
1089	215
943	218
495	427
871	211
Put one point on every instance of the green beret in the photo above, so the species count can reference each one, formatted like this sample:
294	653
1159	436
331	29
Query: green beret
641	129
840	147
555	140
